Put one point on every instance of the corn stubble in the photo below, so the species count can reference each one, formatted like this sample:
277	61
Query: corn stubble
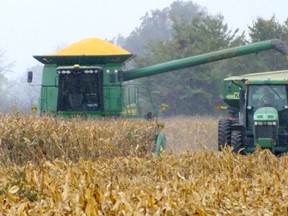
69	179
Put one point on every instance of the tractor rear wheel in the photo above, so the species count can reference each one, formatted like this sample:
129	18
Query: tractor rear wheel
237	140
224	133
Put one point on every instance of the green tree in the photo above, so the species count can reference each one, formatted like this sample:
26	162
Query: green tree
156	25
185	29
264	29
193	90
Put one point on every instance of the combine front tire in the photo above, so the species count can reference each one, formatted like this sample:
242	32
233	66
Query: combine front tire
224	133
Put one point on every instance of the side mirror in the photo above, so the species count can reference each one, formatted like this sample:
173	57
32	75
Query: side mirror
29	77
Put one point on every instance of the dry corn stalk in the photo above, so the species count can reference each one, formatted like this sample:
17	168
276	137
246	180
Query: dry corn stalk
30	138
199	183
55	176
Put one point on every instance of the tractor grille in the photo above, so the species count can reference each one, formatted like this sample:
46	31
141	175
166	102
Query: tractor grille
265	131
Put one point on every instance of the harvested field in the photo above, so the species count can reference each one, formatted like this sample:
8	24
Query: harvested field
45	170
191	133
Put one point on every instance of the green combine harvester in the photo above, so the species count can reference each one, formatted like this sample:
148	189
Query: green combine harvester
87	78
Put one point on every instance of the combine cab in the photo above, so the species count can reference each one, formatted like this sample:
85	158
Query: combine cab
258	112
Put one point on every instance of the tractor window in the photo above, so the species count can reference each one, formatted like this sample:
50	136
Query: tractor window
270	96
79	92
267	95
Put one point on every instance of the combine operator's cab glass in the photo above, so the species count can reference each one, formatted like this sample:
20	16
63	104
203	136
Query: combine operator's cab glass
79	90
267	96
137	101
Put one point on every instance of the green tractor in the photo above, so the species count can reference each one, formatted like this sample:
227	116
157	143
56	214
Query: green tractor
258	112
88	78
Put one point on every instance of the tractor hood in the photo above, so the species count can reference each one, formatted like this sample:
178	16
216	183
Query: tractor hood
266	114
266	124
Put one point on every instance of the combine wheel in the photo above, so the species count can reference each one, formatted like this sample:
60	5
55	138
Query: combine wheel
224	133
237	140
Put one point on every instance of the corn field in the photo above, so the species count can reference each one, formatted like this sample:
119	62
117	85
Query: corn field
55	166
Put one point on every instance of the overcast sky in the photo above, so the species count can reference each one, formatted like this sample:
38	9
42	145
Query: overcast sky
39	27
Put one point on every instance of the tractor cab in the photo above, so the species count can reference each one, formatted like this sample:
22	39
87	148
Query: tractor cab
265	97
266	114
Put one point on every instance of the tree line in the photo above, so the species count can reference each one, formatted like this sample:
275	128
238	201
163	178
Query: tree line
180	30
186	29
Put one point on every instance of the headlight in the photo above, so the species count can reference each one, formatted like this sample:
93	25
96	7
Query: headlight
265	123
88	71
65	71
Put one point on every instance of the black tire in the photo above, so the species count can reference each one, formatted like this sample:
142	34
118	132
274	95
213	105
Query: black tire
224	133
237	141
